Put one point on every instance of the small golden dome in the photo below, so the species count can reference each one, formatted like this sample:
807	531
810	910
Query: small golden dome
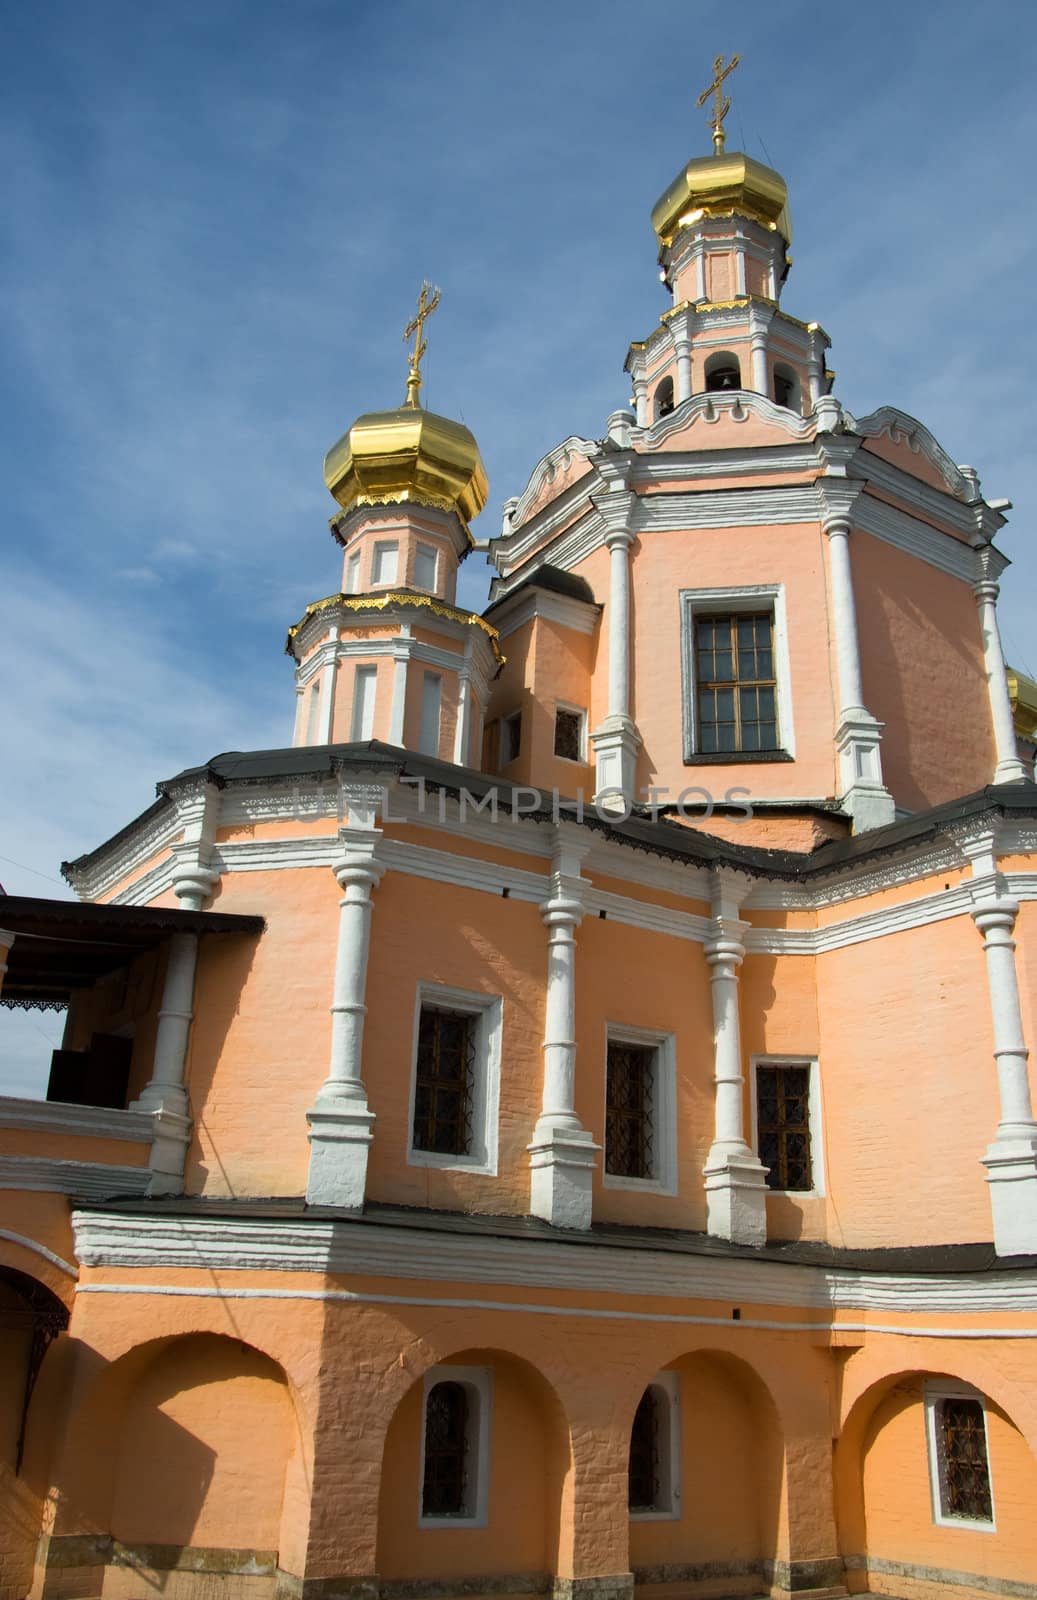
409	454
711	185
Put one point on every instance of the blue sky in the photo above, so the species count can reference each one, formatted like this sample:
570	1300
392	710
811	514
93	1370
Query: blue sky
217	219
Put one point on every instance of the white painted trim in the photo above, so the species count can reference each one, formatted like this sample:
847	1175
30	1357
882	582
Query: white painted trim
423	550
668	1386
488	1008
358	1249
40	1250
580	616
386	552
935	1390
364	704
761	597
354	1297
88	1122
93	1180
816	1123
478	1383
664	1111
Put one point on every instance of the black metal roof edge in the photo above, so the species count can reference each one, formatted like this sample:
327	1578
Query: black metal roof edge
106	914
952	1259
658	836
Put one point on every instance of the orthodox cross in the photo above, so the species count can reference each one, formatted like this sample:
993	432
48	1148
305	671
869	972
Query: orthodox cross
428	300
722	102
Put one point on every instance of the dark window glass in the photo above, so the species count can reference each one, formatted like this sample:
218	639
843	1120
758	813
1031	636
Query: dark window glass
445	1079
725	377
644	1454
629	1097
783	1121
736	702
966	1476
510	738
664	398
445	1484
784	389
569	734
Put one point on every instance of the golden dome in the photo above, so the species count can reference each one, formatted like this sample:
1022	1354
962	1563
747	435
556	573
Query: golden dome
713	185
409	454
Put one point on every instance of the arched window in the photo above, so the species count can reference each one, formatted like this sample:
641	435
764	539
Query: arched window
663	398
786	388
723	372
444	1490
644	1454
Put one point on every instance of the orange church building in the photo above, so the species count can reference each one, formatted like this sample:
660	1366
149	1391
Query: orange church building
561	1125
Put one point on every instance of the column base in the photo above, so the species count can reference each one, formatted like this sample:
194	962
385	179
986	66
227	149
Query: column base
616	744
1012	1176
340	1138
736	1198
169	1142
864	796
562	1163
1011	771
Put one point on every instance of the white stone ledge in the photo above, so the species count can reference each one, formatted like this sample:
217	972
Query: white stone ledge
86	1122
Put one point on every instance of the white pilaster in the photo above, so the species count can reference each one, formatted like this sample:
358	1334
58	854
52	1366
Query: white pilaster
299	725
401	660
740	287
736	1180
562	1153
700	273
617	741
641	401
683	370
340	1122
816	368
463	728
327	688
1009	768
858	734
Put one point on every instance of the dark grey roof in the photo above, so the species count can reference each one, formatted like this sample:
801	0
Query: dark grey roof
554	579
658	836
930	1258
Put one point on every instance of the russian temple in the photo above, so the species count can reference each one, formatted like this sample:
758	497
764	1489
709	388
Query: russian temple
561	1125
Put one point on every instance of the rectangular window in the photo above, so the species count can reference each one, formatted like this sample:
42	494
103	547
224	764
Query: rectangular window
736	683
455	1086
568	734
959	1462
510	737
353	573
385	556
640	1110
365	684
431	698
783	1124
425	567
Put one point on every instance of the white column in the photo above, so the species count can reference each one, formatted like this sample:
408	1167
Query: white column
327	689
562	1153
463	729
758	345
641	401
858	733
340	1122
740	283
736	1180
816	368
401	659
683	370
700	273
299	725
617	741
1009	768
166	1090
1011	1159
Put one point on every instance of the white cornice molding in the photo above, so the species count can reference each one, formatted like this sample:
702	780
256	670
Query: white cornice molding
358	1249
121	856
900	428
737	405
580	616
91	1179
557	460
86	1122
312	644
916	538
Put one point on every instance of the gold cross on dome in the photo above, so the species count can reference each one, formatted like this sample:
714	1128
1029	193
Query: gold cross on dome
428	300
722	102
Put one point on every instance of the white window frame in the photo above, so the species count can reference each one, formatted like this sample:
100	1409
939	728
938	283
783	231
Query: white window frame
382	550
814	1114
935	1390
478	1381
512	716
353	572
577	711
668	1384
488	1010
761	598
664	1109
362	674
422	549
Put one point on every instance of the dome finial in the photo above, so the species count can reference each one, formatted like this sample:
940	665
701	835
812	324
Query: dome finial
428	300
722	102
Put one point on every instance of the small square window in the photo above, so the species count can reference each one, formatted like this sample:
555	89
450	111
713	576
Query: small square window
425	567
510	737
569	734
385	558
959	1461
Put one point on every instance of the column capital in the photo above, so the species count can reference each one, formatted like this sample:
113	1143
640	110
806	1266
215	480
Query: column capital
619	538
837	497
358	865
986	591
991	916
359	807
193	880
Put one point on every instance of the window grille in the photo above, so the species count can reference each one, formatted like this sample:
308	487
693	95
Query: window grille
445	1484
644	1482
444	1088
783	1125
964	1472
736	684
569	734
629	1110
